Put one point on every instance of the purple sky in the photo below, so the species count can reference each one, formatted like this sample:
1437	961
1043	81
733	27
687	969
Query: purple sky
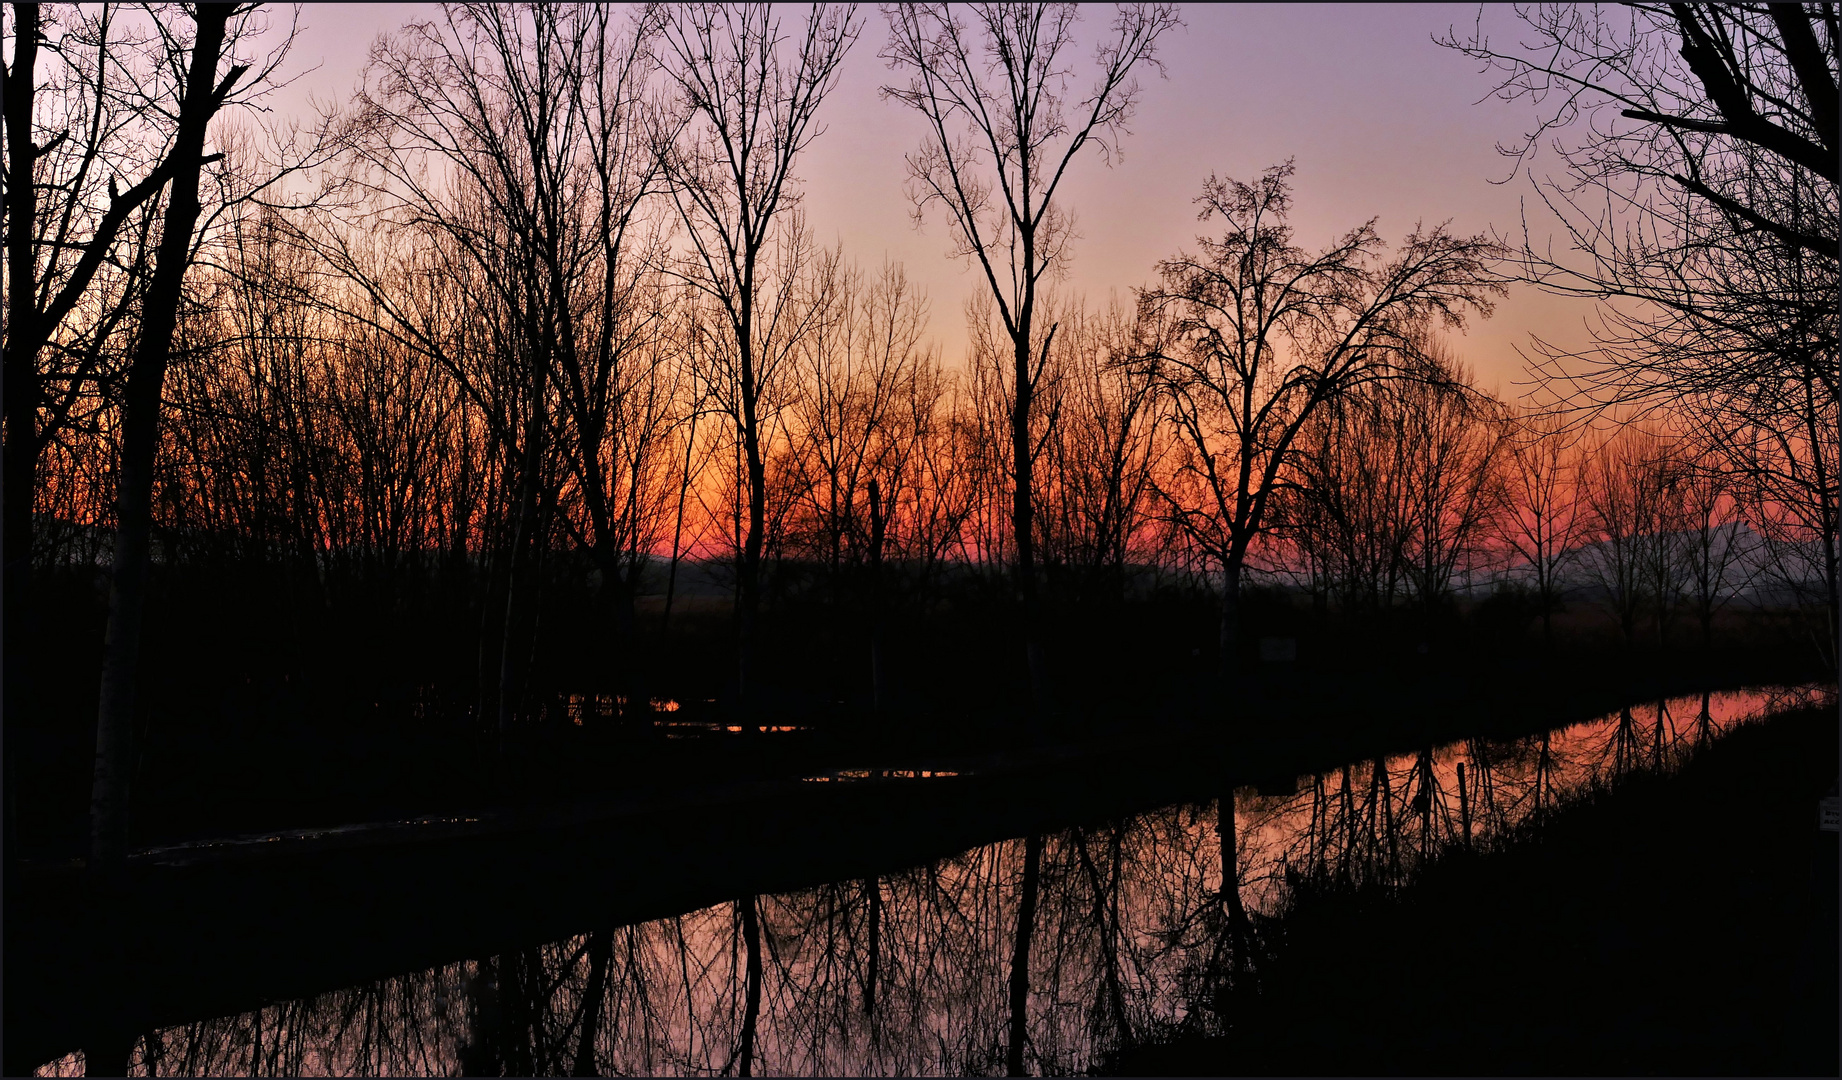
1381	122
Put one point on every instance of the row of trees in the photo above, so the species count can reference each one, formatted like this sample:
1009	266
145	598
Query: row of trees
1696	185
307	440
543	291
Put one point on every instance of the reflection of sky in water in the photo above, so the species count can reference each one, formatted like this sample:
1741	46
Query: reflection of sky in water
907	974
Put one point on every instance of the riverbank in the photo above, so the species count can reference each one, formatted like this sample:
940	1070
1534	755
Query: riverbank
218	928
1682	925
208	928
259	776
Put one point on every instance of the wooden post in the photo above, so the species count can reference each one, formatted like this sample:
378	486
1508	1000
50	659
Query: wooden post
1464	805
1424	803
873	889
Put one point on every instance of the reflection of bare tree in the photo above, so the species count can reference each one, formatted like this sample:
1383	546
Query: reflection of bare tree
1483	781
751	936
1544	764
1020	958
1464	804
1108	1023
1224	980
588	1017
1380	772
1046	952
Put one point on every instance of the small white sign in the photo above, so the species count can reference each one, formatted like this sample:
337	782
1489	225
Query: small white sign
1829	815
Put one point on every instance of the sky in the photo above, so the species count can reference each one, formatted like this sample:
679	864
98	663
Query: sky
1380	121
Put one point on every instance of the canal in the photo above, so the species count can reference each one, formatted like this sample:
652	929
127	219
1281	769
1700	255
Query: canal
1042	953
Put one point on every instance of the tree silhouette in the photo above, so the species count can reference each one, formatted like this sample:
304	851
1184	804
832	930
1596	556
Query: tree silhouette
1002	130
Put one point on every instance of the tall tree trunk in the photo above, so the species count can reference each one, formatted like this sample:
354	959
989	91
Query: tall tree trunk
1023	509
618	586
519	583
1020	955
749	597
748	587
671	576
1229	642
19	473
879	681
140	438
22	338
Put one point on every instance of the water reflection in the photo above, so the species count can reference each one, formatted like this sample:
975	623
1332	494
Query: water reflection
846	776
1034	955
690	729
593	708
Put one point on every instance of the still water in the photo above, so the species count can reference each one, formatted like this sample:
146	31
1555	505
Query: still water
1131	935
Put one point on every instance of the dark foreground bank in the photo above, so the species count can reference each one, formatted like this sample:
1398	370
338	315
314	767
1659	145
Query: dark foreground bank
1677	926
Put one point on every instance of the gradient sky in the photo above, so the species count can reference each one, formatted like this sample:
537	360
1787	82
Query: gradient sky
1380	120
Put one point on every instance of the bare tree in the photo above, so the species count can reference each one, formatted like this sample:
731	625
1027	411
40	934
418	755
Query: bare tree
1395	488
1103	444
70	144
749	106
1454	446
861	353
1257	336
185	79
615	374
1542	517
854	430
511	150
932	496
80	248
1709	543
1348	507
1627	493
1701	200
1002	130
1664	554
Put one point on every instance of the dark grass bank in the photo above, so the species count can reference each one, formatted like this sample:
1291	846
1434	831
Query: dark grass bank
1684	925
260	714
279	757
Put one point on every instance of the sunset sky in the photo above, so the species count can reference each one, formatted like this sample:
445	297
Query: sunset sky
1380	120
